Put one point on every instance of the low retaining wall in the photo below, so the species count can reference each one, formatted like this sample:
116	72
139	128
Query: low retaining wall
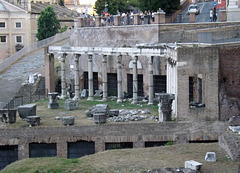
138	134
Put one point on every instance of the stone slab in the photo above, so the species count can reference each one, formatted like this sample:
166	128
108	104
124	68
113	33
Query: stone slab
27	110
210	157
191	164
68	120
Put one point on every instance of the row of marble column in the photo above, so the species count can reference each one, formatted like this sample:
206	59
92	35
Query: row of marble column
104	78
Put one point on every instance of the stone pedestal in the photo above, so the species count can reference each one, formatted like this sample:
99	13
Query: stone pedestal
191	164
53	104
210	157
192	18
8	116
160	18
223	15
116	19
165	106
68	120
33	120
27	110
71	104
80	22
98	21
136	19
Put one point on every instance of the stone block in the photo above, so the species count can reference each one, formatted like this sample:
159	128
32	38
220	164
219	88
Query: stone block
113	112
84	93
53	104
210	157
27	110
68	120
33	120
191	164
99	118
71	104
234	121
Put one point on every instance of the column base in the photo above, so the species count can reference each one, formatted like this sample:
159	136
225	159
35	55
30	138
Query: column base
90	98
63	97
76	98
150	103
104	99
134	102
119	100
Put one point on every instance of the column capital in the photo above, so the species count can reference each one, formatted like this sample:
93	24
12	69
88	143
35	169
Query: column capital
76	56
104	58
119	59
90	57
135	58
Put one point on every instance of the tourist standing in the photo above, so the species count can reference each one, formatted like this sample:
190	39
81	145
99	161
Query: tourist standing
211	15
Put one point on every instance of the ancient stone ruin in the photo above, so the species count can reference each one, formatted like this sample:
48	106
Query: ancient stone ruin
8	116
165	106
53	104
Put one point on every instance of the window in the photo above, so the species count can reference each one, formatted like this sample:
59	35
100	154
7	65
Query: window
3	39
19	39
2	24
196	91
18	25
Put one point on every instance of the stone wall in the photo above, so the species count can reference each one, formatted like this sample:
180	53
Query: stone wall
137	133
199	62
229	81
120	36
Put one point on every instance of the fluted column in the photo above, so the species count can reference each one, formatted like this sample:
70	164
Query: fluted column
135	80
104	77
63	76
150	80
76	84
90	77
119	79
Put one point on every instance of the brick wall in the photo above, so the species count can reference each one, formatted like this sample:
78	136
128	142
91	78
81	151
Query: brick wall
137	133
202	62
229	81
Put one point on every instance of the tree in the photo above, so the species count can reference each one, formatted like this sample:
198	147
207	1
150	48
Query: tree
111	5
169	6
48	24
61	2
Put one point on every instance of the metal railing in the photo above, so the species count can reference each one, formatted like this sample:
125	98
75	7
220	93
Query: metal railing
33	47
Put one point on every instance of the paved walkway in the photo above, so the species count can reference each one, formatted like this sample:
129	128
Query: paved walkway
12	79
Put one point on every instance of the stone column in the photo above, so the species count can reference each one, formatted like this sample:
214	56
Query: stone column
49	71
136	19
76	85
238	3
119	79
223	15
116	20
150	80
135	80
63	77
192	18
90	77
104	77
